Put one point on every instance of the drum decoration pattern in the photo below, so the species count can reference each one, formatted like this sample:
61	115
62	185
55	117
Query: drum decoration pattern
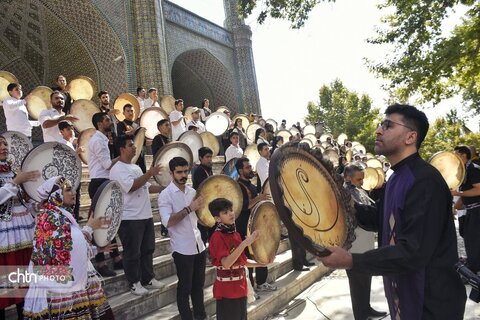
19	146
310	199
218	186
230	170
51	159
107	203
264	218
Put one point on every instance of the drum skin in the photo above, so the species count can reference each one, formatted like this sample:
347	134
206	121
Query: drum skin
5	79
167	103
264	219
51	159
83	140
81	87
19	145
252	154
309	129
138	141
38	100
251	129
214	187
167	153
193	140
149	120
122	100
209	140
107	203
285	134
312	205
450	166
217	123
371	179
84	110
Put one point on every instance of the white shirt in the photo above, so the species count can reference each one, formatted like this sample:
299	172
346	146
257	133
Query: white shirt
16	115
141	101
185	237
262	169
99	156
52	133
198	124
233	152
178	129
147	103
66	142
136	204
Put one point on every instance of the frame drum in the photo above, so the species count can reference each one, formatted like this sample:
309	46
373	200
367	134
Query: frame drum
371	179
251	129
39	100
307	141
167	153
222	109
209	140
230	170
381	178
374	163
84	110
51	159
193	140
308	129
312	138
149	119
285	134
315	208
264	218
188	114
273	123
342	137
214	187
83	139
5	79
138	141
252	154
122	100
107	203
450	166
167	103
217	123
331	155
81	87
294	131
325	136
245	120
19	146
266	188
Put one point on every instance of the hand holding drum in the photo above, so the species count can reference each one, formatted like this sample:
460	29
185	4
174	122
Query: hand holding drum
22	177
251	238
198	203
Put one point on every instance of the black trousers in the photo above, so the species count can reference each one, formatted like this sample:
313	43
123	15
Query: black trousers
360	285
232	309
471	229
92	189
261	273
138	240
191	279
299	255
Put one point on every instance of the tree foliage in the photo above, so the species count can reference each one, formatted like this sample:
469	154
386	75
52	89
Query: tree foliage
344	111
424	61
446	133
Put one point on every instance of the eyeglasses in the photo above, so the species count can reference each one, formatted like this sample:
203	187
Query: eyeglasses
387	124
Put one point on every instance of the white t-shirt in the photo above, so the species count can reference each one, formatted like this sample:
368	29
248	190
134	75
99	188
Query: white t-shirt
149	103
52	133
16	115
233	152
262	169
198	124
178	129
136	204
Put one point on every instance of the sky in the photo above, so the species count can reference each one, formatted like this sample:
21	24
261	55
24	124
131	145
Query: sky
292	65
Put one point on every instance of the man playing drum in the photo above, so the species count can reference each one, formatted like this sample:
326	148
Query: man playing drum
177	120
161	139
234	150
177	210
49	118
152	100
136	230
128	127
417	239
15	111
196	120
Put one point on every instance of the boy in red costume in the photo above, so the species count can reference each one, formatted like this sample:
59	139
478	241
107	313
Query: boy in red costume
227	253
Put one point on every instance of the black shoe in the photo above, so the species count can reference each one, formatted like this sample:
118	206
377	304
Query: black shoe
105	271
283	236
376	314
118	265
308	264
302	269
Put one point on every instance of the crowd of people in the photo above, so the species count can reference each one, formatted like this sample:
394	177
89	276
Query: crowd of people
412	214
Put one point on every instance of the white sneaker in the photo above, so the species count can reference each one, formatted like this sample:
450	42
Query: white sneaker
265	287
138	290
155	284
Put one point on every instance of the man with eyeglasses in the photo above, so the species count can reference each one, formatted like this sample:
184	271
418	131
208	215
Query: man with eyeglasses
417	238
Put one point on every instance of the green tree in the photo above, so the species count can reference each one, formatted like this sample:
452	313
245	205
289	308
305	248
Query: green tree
344	111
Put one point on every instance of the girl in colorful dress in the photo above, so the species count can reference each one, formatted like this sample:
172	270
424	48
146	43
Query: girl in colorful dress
66	285
16	223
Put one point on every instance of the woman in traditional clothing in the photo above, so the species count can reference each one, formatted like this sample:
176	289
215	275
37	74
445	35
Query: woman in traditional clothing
16	223
66	285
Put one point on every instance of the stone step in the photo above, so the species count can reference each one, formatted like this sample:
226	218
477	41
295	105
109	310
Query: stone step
160	301
164	267
289	284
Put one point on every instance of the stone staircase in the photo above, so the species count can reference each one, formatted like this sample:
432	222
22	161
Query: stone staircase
161	303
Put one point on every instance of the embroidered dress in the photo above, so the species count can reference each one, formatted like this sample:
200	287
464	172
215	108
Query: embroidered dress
16	226
69	288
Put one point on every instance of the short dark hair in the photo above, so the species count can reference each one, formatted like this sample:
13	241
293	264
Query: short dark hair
56	92
463	150
203	102
64	125
128	105
413	117
177	162
61	75
178	101
98	117
121	142
12	86
351	169
203	151
161	122
219	205
240	163
233	133
101	93
140	89
261	145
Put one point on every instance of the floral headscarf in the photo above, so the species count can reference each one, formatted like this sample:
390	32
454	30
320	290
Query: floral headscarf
52	190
